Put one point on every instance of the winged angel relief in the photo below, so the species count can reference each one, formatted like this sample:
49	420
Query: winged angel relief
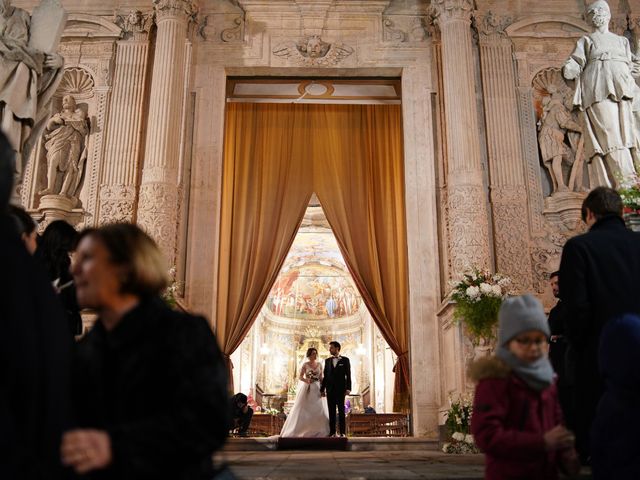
313	51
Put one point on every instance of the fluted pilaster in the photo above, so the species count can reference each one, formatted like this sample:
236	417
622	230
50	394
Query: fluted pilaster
121	158
506	158
158	203
467	200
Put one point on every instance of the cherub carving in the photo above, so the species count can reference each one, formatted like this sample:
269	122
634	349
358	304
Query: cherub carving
135	22
313	51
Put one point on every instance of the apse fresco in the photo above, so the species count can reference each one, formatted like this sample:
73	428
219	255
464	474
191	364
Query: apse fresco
314	291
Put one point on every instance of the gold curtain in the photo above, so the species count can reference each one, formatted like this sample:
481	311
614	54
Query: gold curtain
351	156
266	187
359	180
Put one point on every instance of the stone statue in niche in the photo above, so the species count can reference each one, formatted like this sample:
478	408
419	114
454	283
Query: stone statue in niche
607	98
561	141
30	71
66	144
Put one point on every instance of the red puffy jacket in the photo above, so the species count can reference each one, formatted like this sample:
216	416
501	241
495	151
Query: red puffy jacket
508	423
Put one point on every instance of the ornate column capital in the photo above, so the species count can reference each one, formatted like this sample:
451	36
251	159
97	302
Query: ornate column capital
166	9
449	10
135	24
491	27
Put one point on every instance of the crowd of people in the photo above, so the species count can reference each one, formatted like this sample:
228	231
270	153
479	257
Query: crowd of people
563	391
142	395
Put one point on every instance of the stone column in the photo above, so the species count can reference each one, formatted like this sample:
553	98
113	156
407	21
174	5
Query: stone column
506	157
158	202
467	199
120	168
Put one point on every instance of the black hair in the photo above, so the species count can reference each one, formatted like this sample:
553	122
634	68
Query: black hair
554	274
25	224
7	171
310	351
602	201
335	344
54	245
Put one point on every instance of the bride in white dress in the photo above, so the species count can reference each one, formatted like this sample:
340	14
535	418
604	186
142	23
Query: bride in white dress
309	416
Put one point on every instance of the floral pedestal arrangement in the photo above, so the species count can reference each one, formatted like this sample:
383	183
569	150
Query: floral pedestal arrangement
458	426
632	219
630	194
478	297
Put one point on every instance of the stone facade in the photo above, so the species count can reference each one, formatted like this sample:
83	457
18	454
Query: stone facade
152	79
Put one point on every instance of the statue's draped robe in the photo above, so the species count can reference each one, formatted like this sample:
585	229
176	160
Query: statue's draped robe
26	87
67	143
606	93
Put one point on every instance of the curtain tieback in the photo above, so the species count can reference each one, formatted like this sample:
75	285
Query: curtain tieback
403	354
227	358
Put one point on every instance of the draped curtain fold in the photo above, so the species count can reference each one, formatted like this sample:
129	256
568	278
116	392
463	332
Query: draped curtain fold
266	187
276	155
359	180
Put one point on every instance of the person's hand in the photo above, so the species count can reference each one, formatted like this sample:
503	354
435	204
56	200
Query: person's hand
347	392
558	438
570	462
86	450
53	60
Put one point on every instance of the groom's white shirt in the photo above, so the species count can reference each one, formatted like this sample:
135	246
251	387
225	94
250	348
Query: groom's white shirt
334	360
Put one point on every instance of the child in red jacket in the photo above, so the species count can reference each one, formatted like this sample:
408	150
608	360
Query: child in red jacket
517	421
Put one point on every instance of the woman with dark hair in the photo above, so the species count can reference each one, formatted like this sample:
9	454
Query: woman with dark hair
26	227
309	416
55	247
149	383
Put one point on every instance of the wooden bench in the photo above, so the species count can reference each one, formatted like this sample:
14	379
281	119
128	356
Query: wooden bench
378	425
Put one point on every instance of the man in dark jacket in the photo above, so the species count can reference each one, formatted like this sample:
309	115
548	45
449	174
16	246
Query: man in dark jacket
336	384
241	413
34	354
599	274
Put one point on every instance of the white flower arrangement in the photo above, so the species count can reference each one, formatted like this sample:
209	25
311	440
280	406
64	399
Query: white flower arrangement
478	297
458	423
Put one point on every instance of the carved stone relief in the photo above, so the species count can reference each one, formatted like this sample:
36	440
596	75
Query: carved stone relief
117	203
313	51
559	133
155	219
405	29
135	24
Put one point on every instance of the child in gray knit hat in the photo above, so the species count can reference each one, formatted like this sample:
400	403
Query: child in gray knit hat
517	421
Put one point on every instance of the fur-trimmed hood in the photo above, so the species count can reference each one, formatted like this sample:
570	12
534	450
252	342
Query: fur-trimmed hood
488	367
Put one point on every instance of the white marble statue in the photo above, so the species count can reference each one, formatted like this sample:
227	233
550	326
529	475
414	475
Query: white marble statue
607	98
29	76
560	140
66	142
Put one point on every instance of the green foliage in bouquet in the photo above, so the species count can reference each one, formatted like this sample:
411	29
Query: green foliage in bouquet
478	297
630	193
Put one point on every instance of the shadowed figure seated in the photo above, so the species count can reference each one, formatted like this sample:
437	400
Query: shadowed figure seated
241	414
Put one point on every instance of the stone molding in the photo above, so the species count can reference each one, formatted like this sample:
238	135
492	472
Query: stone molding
174	9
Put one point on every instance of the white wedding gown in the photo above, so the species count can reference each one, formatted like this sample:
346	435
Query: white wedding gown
309	416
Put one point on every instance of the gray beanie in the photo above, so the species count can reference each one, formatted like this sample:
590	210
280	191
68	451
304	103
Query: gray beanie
519	314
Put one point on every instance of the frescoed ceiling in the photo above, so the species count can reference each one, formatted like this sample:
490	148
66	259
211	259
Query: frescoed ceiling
314	283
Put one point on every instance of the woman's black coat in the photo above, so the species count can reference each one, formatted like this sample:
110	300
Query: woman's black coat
157	384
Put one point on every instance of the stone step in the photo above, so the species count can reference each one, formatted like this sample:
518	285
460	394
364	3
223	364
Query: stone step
353	444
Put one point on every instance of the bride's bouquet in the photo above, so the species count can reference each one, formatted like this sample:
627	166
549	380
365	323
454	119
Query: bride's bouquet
311	376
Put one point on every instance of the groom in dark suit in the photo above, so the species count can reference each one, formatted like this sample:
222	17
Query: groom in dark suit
336	384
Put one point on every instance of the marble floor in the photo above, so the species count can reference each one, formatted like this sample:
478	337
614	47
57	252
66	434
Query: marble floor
355	465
